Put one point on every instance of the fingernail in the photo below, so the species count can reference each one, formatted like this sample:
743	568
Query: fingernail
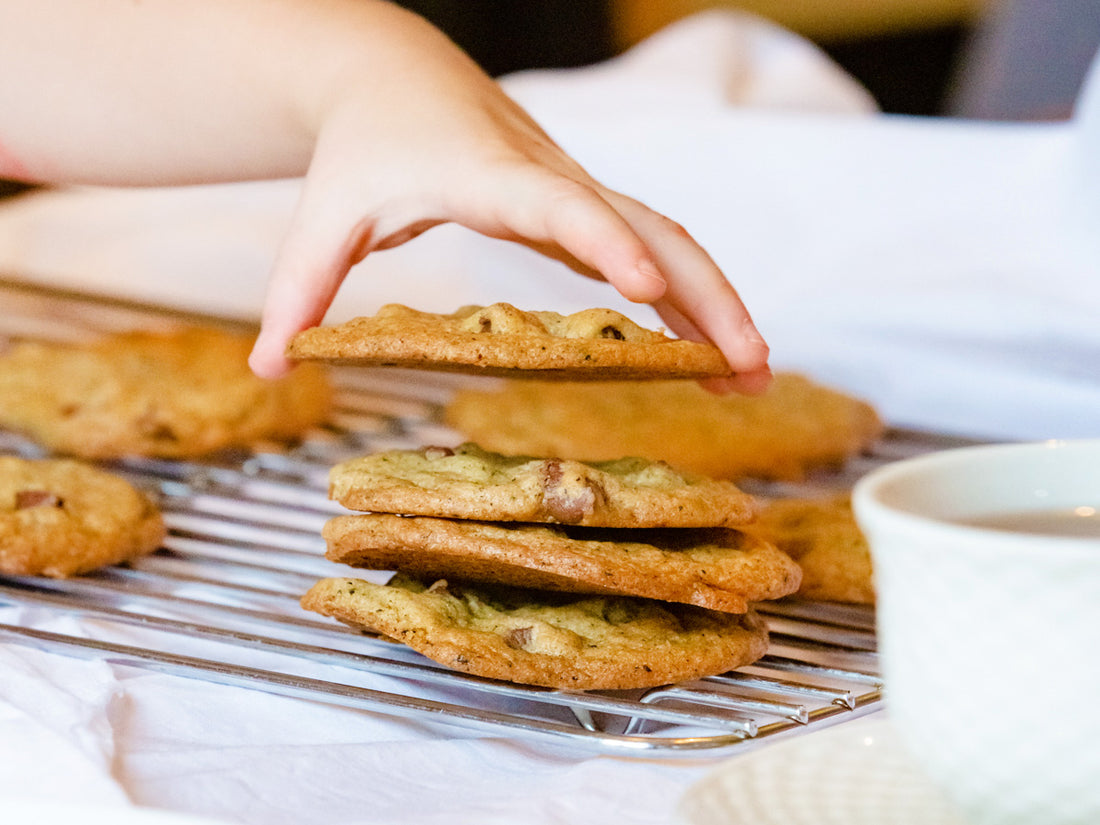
750	333
648	268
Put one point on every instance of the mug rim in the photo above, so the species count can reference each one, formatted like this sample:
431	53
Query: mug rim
872	512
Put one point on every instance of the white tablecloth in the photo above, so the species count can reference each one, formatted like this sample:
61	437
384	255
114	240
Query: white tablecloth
940	269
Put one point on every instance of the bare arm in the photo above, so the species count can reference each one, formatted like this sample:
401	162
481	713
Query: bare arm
394	127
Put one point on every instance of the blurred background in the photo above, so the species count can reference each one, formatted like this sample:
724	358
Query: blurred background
989	59
904	51
1012	60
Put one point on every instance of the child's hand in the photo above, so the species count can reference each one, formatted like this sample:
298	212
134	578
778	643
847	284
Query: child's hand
394	127
446	144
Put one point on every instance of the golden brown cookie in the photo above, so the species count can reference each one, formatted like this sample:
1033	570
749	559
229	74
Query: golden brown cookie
552	639
715	568
470	483
796	426
823	537
60	517
503	340
174	395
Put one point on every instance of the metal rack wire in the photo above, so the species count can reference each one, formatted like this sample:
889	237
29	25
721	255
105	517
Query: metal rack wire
219	601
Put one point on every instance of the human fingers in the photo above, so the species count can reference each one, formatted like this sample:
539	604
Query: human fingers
526	203
699	302
569	220
746	382
599	232
311	266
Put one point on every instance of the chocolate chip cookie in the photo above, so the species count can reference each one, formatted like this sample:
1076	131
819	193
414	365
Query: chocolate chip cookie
796	426
61	517
468	482
715	568
175	394
557	640
822	535
503	340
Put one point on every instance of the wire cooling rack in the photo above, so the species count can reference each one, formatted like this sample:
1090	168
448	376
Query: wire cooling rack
219	601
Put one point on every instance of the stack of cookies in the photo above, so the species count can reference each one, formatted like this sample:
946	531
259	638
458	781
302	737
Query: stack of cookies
583	570
604	575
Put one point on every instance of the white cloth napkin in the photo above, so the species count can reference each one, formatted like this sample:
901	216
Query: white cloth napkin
936	268
56	737
90	732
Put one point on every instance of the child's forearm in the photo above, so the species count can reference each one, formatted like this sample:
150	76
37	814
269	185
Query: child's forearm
177	91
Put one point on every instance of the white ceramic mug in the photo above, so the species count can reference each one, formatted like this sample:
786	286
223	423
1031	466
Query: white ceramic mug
990	637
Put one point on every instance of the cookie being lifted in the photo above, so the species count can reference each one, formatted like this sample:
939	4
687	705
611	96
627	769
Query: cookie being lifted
556	640
468	482
717	568
503	340
60	518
